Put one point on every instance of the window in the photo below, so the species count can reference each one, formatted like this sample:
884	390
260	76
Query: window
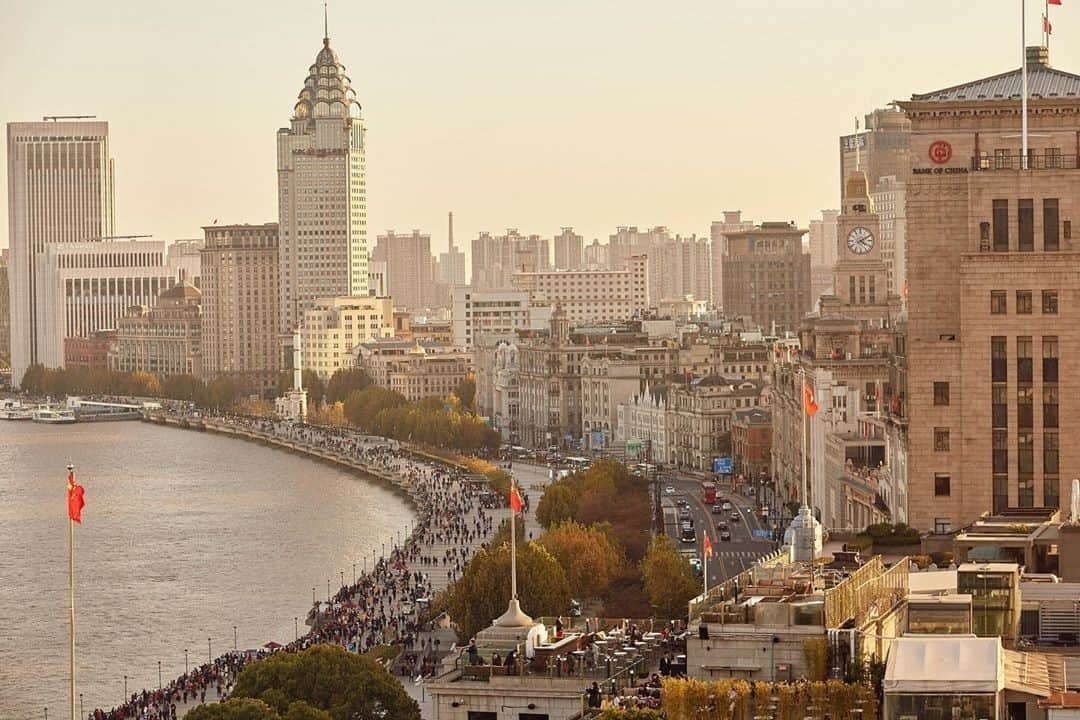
941	393
1001	451
1025	217
984	236
1049	302
999	304
942	525
1050	406
1025	453
1024	407
942	485
999	359
1050	359
1002	161
1001	225
1051	447
1052	157
1066	229
941	439
999	397
1023	359
1025	490
1051	239
1001	492
1051	492
1023	302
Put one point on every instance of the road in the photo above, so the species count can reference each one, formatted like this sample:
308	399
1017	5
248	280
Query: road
730	557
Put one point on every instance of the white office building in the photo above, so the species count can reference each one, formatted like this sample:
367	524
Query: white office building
493	312
60	190
333	327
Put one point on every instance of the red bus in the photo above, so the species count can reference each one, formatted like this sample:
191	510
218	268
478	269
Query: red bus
708	491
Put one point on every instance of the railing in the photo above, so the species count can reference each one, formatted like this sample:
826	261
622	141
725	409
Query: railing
870	589
1034	162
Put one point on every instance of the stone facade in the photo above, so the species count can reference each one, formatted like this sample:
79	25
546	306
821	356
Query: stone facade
767	275
163	340
590	295
700	411
994	303
89	353
332	328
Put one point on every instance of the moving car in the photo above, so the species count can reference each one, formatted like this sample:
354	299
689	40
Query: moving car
684	513
726	505
695	564
725	535
670	489
735	516
717	509
687	535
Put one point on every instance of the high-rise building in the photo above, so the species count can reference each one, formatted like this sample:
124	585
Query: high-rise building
822	253
60	190
240	320
495	258
322	195
5	304
410	270
732	221
683	270
568	249
476	313
184	258
451	264
767	275
993	351
88	286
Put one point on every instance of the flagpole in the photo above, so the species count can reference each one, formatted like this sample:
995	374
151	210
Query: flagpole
1023	87
705	562
513	546
71	589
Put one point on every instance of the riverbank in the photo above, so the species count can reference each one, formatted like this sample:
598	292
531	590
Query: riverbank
382	606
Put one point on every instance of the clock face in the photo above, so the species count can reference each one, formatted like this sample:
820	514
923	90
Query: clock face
860	241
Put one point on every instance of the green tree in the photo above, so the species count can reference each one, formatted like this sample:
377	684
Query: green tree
557	504
327	678
587	555
363	406
236	709
483	592
344	381
466	392
670	583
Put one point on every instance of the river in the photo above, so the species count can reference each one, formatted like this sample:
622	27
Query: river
184	536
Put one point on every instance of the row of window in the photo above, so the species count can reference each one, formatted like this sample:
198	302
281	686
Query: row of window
995	235
999	302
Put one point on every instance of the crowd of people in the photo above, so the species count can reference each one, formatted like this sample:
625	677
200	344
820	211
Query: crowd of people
384	606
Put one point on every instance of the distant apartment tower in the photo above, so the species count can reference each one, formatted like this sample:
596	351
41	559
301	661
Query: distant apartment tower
240	321
88	286
410	269
322	195
568	246
767	275
595	255
60	190
451	265
591	295
993	349
495	258
683	269
732	221
823	253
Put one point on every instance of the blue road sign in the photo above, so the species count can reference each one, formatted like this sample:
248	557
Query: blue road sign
722	465
767	534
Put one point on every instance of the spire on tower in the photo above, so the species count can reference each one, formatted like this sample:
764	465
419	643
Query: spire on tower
326	25
451	230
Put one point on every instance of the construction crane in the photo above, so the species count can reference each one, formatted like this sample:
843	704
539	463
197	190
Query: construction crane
54	118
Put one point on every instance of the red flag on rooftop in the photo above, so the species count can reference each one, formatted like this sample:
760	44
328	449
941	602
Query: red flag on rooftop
515	499
76	500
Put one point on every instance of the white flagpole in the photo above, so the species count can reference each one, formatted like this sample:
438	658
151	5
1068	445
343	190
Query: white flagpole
71	589
705	559
1023	88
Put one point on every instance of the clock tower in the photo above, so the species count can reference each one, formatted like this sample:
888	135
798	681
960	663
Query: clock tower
860	277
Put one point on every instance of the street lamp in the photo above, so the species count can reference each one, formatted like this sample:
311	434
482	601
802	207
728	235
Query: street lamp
327	591
354	573
313	597
235	639
81	712
126	696
186	671
342	578
296	628
158	674
209	652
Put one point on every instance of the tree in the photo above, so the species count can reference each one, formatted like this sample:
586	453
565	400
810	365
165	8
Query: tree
557	504
344	381
236	709
483	592
586	554
363	406
669	581
326	678
466	392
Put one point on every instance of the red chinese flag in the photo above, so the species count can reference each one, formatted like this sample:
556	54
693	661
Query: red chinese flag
1054	2
75	499
708	545
515	499
809	402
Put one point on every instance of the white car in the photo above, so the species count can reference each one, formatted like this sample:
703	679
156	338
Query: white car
725	506
670	489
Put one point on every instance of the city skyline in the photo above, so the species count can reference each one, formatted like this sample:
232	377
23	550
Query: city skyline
518	140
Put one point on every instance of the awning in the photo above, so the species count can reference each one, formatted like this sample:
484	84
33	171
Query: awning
949	665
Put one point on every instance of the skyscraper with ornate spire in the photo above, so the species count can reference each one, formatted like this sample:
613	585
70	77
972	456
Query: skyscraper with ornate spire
322	198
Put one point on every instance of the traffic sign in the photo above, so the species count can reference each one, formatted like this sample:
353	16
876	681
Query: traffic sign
766	534
722	465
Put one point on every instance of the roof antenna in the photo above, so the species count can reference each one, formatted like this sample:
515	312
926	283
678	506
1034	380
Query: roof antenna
326	25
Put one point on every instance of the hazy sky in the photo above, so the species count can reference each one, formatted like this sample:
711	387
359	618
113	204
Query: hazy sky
512	113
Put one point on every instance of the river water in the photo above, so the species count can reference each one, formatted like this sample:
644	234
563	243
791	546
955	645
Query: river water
184	536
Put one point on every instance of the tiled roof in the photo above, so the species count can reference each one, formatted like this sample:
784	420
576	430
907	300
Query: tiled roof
1043	82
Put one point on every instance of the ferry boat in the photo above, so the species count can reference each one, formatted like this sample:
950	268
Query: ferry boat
15	410
54	416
